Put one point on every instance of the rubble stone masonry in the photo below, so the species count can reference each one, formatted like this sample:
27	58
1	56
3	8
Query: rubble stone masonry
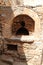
29	52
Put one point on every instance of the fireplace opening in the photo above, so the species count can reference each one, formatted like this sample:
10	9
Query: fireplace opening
12	47
22	30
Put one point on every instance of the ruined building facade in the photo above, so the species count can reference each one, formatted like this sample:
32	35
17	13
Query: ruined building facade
14	15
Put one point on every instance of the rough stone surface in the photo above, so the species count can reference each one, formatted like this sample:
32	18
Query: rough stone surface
26	53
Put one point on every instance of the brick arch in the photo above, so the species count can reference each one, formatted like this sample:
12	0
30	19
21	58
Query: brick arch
28	21
31	14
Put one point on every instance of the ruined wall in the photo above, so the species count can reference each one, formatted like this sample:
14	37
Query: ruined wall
29	53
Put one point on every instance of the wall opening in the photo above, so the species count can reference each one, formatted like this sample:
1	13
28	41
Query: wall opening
22	30
12	47
22	25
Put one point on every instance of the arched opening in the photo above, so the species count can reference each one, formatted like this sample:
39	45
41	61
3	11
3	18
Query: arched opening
22	25
27	15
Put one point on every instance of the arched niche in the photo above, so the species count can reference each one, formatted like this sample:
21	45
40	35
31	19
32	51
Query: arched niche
23	25
26	11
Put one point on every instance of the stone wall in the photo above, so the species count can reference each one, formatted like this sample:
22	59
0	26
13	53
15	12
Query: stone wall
31	53
8	19
39	11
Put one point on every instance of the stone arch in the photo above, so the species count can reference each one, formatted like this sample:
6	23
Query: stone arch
27	21
31	14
